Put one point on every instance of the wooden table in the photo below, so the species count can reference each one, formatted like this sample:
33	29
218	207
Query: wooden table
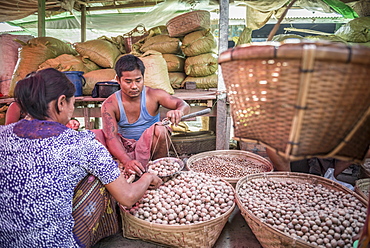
88	107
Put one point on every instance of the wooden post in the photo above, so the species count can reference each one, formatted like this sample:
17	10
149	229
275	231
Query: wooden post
83	23
222	129
41	18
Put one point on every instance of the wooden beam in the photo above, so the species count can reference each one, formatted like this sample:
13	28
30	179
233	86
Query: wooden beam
223	128
83	23
41	18
123	6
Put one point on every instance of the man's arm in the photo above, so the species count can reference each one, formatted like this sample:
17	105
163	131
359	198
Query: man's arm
178	106
112	139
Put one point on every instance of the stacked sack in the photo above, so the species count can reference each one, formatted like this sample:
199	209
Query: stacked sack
104	53
33	53
201	59
8	58
160	54
198	46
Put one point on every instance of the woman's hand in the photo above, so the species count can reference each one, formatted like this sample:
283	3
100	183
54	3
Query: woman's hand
156	182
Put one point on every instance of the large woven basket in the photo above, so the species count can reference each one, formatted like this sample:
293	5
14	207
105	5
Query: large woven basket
203	234
230	153
266	234
365	169
193	142
304	99
189	22
362	187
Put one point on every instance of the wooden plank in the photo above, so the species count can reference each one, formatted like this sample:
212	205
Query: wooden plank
222	129
41	18
83	23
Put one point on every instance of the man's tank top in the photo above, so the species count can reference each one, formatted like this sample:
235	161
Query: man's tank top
134	130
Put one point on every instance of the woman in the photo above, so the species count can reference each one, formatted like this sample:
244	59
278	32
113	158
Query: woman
41	163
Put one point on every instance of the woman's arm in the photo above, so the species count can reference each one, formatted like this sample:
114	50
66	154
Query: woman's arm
128	194
13	114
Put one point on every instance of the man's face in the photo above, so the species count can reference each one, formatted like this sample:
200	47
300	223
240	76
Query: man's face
131	82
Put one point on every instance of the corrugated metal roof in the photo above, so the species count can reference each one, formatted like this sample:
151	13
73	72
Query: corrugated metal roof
6	28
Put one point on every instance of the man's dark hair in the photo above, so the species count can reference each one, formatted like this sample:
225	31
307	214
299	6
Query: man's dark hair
37	90
129	62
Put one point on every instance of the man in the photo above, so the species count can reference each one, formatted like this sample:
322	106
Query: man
131	128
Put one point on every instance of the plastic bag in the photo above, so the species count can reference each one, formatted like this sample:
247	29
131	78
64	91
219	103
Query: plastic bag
330	175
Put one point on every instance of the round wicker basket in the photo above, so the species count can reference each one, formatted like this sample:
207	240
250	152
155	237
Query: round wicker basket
229	153
362	187
189	22
202	234
300	98
266	234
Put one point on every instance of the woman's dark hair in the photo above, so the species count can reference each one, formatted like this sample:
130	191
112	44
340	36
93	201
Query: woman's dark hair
129	62
37	90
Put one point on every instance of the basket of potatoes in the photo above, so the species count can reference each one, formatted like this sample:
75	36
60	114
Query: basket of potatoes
287	209
189	210
230	165
362	187
165	167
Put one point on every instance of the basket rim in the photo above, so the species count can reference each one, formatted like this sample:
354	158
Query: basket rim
188	226
284	175
179	227
294	50
360	183
176	18
250	155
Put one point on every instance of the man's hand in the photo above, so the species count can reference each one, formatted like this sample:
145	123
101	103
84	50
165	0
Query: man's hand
134	166
175	116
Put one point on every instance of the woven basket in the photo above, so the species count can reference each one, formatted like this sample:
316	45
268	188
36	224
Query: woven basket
189	22
203	234
362	8
231	153
362	187
193	142
365	169
266	234
306	99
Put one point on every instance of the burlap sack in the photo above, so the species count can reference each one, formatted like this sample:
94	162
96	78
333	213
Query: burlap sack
356	30
90	66
94	77
101	52
198	42
176	79
163	44
156	74
175	63
64	62
201	65
8	58
36	51
207	82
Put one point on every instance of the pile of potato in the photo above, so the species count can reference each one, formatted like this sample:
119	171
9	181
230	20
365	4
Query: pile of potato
164	167
186	198
228	166
312	212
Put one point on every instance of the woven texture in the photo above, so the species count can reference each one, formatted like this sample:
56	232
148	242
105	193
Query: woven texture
362	188
309	99
230	153
193	142
203	234
189	22
266	234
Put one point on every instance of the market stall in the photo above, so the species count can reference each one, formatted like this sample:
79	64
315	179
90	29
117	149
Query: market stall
271	91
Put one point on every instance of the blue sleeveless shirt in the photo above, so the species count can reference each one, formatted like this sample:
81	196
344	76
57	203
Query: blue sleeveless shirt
134	130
